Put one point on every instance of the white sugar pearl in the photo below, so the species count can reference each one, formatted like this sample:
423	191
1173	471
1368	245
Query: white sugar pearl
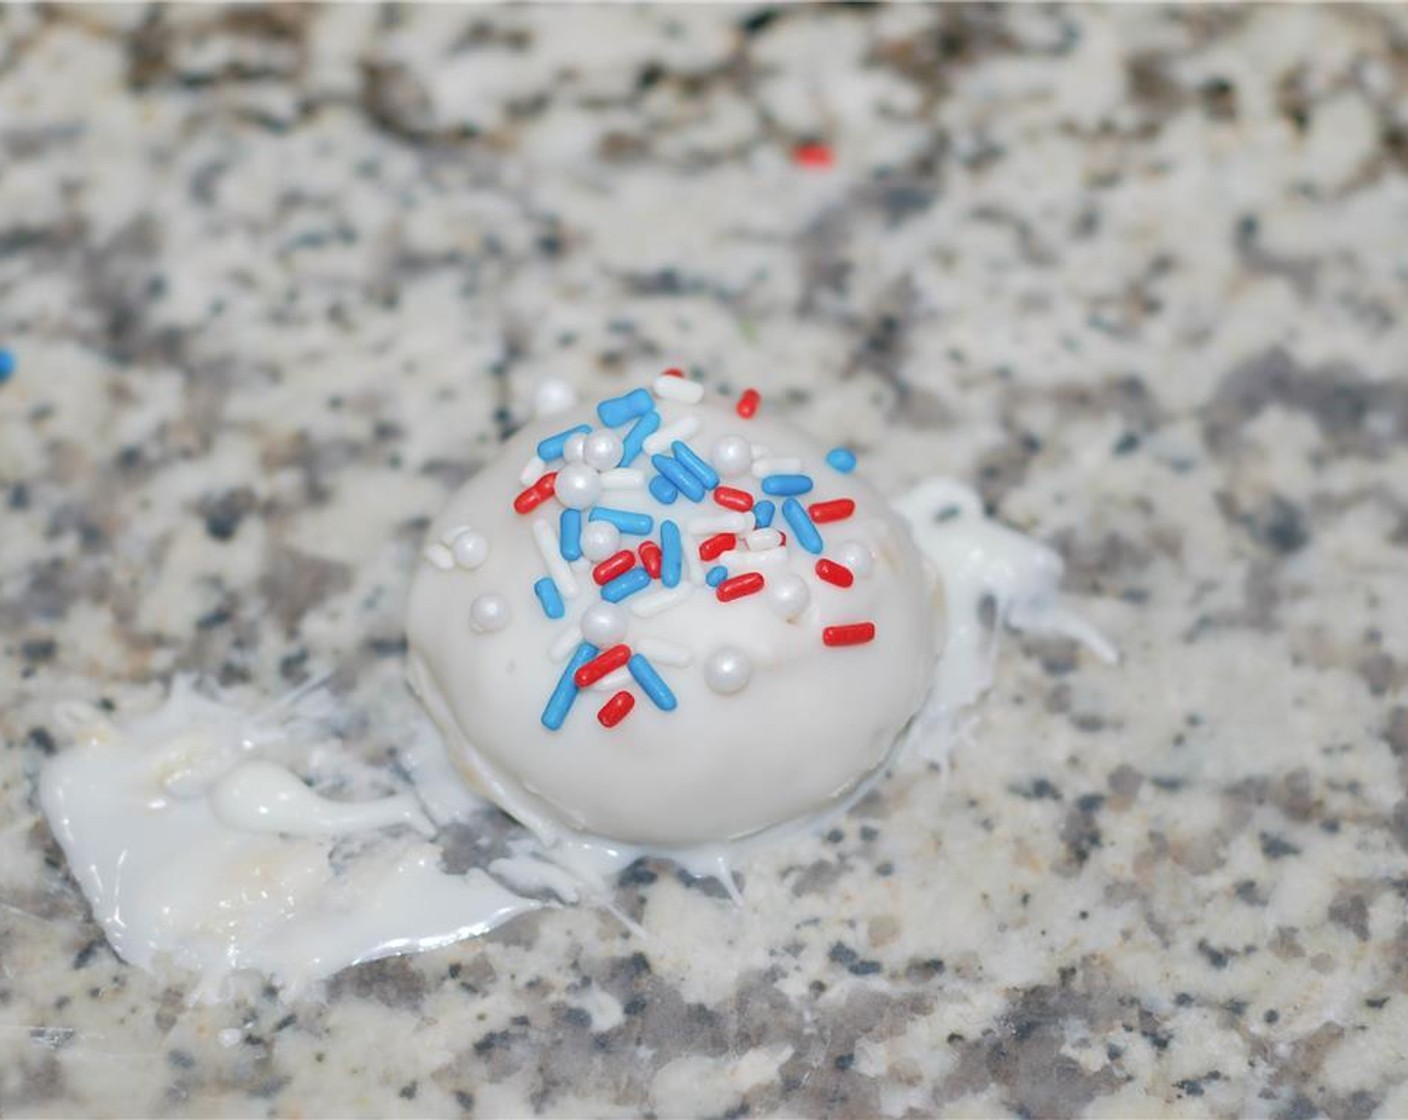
857	557
601	449
553	395
489	612
470	549
727	670
577	486
731	456
788	595
603	624
600	539
573	446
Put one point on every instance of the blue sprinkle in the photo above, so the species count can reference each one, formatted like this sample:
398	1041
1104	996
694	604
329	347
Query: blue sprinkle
664	490
551	448
569	534
716	575
671	553
763	513
618	410
637	579
7	365
841	459
695	465
634	440
550	597
651	683
560	702
802	526
781	484
685	481
637	524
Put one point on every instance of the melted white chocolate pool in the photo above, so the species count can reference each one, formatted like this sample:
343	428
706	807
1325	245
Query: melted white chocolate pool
201	851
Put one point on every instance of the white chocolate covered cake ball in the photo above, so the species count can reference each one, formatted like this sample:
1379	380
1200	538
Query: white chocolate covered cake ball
702	625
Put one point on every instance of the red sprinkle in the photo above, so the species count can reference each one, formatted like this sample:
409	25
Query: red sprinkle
607	661
838	509
852	634
671	372
730	498
616	709
833	572
749	583
748	403
535	495
650	557
716	546
613	566
815	156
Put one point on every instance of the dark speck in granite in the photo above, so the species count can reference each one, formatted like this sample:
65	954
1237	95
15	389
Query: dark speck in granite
278	279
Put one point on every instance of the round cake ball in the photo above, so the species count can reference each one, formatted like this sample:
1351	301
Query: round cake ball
761	693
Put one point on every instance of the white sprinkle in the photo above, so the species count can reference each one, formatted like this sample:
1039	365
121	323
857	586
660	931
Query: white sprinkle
622	478
679	389
764	467
438	556
681	429
447	538
565	643
693	563
574	450
618	678
658	602
546	540
711	523
750	561
532	471
761	540
666	653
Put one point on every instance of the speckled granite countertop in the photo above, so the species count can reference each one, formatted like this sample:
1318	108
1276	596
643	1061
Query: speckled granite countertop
278	281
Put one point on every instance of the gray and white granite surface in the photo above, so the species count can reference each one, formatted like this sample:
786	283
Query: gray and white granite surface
277	280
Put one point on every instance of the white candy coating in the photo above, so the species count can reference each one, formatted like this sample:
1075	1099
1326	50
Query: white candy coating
857	557
787	595
600	539
601	449
489	612
731	456
717	766
577	486
603	624
574	447
470	549
728	670
660	441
